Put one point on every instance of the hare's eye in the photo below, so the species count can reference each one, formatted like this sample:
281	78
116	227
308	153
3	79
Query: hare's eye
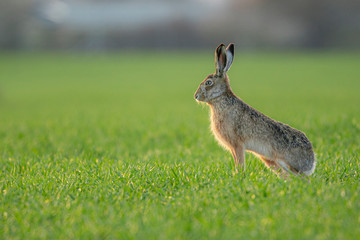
208	83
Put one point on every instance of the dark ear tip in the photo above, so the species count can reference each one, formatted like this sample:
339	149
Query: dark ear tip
219	47
231	47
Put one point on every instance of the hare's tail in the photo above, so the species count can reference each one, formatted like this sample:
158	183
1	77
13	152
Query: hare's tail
311	171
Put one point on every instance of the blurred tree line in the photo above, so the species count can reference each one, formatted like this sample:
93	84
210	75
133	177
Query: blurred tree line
82	24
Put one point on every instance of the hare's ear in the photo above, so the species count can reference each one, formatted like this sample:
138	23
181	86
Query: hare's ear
220	59
229	56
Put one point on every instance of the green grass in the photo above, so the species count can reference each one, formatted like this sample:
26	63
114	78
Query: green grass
113	146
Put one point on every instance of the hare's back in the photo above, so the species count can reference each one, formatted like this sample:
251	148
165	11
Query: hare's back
288	137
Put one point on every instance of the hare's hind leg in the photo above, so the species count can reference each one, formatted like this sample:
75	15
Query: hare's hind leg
290	169
274	166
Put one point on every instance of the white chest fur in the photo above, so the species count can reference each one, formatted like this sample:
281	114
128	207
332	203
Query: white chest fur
222	129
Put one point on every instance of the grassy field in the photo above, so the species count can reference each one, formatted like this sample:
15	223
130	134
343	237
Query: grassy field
113	146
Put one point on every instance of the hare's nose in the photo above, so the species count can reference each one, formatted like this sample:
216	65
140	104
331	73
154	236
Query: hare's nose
197	96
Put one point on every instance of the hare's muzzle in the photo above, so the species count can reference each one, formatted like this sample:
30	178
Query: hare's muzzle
197	96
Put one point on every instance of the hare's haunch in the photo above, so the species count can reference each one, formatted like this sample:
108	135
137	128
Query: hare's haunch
239	127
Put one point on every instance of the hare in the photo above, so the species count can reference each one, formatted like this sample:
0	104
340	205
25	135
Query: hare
239	127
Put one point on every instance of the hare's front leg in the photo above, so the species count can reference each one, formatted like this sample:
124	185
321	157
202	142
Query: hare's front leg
239	157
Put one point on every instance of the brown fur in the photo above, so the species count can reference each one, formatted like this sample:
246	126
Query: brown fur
239	127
